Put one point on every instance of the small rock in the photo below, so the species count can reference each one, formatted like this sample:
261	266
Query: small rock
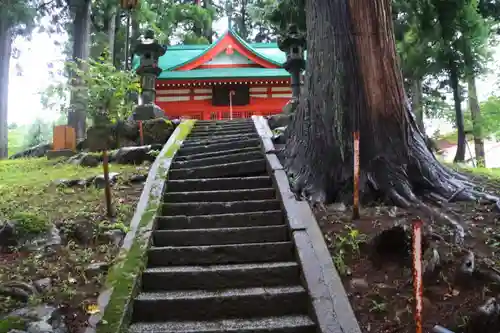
138	178
99	182
67	182
95	269
36	313
85	160
115	236
16	331
19	290
7	235
338	207
133	155
39	327
83	231
359	283
43	284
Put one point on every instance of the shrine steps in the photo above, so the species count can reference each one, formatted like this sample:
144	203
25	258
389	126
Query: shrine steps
223	256
221	259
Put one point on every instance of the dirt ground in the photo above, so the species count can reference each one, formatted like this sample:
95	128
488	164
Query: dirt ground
378	276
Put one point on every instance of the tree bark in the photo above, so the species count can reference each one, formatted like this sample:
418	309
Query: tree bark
111	33
81	48
475	111
459	116
116	46
354	82
417	105
207	4
5	51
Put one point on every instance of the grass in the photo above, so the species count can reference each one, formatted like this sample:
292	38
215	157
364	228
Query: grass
31	196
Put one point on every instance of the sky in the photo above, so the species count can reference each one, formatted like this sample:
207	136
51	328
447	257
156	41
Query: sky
37	54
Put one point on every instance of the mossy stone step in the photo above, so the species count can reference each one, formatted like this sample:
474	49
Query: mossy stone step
262	218
226	303
215	277
218	147
220	236
236	169
223	152
227	207
214	184
220	196
218	139
220	254
202	162
207	134
283	324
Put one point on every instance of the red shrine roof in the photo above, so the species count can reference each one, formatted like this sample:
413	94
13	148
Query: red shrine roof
228	57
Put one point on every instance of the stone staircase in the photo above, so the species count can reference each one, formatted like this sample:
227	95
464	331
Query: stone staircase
222	258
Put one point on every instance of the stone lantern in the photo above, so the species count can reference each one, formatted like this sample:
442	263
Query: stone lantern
149	52
293	43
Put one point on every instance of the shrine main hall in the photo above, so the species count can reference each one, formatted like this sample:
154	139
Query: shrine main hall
228	78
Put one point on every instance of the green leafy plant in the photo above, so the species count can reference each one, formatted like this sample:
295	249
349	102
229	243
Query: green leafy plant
28	223
105	89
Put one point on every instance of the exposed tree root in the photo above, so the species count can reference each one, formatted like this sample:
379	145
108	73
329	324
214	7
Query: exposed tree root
417	182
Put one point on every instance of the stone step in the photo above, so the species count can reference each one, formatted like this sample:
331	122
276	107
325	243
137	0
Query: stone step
214	184
220	254
218	147
262	218
236	169
217	277
240	157
208	128
224	121
220	196
220	236
194	139
217	153
222	132
220	304
228	207
210	140
283	324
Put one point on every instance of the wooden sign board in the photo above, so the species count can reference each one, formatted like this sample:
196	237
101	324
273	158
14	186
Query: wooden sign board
64	138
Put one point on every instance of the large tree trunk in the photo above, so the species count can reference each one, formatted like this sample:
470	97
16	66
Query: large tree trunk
5	50
111	31
475	111
354	81
116	42
459	116
81	48
417	105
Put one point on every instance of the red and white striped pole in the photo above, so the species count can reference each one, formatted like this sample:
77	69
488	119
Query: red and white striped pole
355	200
417	273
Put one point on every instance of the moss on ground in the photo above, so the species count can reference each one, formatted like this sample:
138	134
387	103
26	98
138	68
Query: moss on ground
129	264
31	196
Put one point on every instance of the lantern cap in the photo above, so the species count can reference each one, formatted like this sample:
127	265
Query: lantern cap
293	37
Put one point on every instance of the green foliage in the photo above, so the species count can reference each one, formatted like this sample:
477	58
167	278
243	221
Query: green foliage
105	88
490	117
11	323
30	223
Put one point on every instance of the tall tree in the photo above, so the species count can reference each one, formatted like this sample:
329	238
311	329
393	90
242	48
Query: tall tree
81	11
354	82
17	18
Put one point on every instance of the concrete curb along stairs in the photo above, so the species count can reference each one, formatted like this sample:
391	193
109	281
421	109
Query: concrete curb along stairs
330	304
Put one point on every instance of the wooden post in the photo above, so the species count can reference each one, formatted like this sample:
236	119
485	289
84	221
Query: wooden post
355	202
417	273
141	133
107	185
